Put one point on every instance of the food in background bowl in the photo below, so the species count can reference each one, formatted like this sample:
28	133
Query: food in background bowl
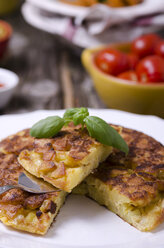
144	62
111	61
145	45
150	69
159	49
5	34
111	3
128	75
124	91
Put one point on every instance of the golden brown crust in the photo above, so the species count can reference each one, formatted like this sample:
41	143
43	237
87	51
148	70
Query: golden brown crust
66	159
16	143
131	186
140	175
10	170
19	208
23	210
73	140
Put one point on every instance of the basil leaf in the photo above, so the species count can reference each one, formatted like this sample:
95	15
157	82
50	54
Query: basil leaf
76	115
104	133
47	128
79	117
69	113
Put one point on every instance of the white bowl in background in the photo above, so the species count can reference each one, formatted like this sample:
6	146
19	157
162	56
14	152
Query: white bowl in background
10	81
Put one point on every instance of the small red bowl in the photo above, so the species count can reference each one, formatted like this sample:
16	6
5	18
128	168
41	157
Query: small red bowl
5	35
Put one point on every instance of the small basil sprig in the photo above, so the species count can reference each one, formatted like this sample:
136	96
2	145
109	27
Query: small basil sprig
96	127
77	115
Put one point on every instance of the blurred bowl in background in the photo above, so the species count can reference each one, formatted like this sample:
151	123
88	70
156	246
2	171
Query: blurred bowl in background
8	83
123	94
5	35
7	6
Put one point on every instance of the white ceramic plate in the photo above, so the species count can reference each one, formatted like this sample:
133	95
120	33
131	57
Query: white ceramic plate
81	222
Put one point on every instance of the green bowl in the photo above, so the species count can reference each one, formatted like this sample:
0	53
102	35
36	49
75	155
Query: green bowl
7	6
123	94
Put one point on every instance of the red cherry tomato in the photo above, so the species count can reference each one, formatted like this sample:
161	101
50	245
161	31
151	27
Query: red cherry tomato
151	69
159	50
111	61
5	34
145	45
128	75
133	60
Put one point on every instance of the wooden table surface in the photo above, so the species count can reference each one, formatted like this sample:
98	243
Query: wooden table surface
51	74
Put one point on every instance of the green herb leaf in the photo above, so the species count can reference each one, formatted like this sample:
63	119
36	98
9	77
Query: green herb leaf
104	133
69	113
48	127
79	117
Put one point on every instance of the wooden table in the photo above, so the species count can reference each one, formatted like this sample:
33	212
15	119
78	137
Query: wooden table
51	74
